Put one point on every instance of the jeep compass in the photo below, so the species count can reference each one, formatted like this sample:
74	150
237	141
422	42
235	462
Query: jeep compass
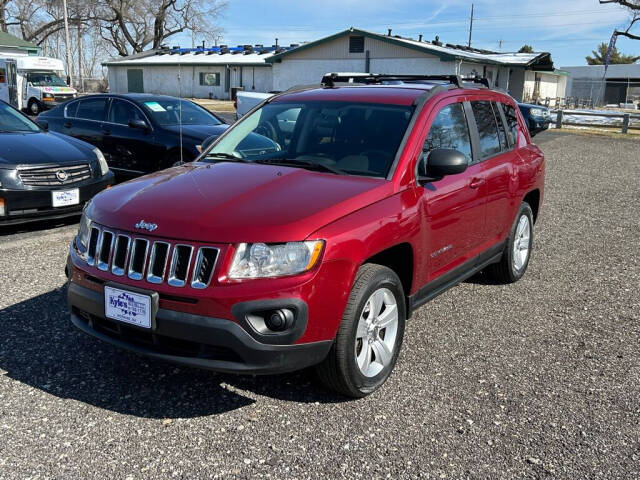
363	201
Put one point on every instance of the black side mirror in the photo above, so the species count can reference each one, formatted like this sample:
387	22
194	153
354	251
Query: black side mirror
207	142
139	124
438	163
43	124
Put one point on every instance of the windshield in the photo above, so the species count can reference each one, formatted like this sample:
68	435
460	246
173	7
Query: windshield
45	79
172	111
342	137
13	121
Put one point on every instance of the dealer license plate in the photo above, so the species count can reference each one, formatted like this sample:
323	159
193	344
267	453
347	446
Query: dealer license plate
65	198
128	307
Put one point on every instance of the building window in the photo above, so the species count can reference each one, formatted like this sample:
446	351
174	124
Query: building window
135	81
356	44
2	76
209	79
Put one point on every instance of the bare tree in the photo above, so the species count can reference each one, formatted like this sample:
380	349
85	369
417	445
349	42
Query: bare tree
634	7
131	26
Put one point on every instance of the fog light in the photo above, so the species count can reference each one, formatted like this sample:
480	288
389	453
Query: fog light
279	320
2	209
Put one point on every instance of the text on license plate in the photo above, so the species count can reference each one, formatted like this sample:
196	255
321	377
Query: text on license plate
65	198
128	307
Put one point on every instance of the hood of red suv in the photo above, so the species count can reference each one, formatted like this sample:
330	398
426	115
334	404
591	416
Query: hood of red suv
235	202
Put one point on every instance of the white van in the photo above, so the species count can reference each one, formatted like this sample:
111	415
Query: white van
33	83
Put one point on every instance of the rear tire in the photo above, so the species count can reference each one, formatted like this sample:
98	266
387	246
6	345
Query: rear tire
369	339
515	257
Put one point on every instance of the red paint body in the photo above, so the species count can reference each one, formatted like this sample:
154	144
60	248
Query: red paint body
224	204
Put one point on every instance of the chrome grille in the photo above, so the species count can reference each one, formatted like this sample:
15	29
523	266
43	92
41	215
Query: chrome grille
104	250
120	255
203	270
54	176
138	258
180	265
93	245
155	261
158	262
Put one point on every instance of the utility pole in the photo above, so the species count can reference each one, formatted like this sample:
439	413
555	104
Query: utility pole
67	47
80	72
470	27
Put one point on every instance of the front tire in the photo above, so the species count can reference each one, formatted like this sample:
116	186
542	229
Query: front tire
34	107
517	252
370	336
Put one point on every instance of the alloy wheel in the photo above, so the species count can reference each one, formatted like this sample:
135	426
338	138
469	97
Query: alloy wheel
376	333
521	243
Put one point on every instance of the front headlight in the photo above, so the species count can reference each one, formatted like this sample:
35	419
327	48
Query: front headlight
537	112
47	96
102	162
259	260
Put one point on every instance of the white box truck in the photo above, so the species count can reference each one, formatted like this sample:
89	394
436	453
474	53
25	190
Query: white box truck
33	84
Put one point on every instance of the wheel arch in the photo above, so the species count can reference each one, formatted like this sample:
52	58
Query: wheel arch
533	199
400	259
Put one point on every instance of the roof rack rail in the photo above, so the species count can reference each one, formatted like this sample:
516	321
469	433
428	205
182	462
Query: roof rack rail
331	79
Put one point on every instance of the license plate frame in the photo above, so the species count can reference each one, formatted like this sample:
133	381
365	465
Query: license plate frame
65	198
130	306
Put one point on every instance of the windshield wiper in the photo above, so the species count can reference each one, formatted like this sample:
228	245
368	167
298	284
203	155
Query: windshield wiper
292	162
225	156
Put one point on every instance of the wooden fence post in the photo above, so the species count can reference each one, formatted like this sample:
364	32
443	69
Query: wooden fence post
559	119
625	123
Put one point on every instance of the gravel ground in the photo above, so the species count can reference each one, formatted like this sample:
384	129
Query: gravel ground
534	380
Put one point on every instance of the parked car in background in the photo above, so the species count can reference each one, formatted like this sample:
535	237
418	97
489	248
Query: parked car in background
138	133
537	117
245	101
371	201
45	174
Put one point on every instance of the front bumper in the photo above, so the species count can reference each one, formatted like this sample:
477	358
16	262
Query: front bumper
192	340
538	124
31	205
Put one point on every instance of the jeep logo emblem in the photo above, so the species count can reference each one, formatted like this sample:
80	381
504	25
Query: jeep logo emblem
146	226
61	175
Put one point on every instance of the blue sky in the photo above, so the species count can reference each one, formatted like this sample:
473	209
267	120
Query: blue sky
569	29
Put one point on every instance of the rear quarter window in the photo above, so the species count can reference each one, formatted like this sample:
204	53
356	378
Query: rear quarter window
512	122
487	128
92	109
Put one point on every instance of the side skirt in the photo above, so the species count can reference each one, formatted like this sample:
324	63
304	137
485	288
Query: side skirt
454	277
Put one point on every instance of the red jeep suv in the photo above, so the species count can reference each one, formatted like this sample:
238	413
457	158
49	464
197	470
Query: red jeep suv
309	232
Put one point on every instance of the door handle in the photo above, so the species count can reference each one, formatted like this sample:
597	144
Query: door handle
67	125
106	131
476	182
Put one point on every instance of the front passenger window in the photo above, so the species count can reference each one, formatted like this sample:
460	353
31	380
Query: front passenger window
450	130
122	112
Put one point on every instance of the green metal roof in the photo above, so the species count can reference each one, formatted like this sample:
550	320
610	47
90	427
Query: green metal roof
8	40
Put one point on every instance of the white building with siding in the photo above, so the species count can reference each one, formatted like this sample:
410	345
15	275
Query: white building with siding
523	75
215	72
195	73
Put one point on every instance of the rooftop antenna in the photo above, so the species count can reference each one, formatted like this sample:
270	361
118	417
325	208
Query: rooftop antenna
470	27
180	110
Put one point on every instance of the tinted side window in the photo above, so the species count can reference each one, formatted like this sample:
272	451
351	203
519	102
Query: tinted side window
501	130
487	128
512	122
450	130
92	108
71	109
122	112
